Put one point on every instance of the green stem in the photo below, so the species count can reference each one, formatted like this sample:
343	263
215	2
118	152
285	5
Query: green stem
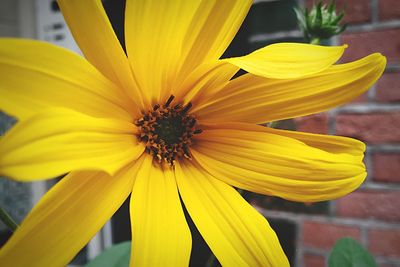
273	124
6	218
315	41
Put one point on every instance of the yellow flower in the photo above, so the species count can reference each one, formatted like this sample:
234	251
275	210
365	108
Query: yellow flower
168	121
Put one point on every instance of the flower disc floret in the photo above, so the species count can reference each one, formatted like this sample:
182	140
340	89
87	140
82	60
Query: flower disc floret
167	131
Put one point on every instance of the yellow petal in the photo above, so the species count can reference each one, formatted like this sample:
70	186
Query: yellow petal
295	166
212	29
160	234
236	233
255	99
288	60
204	82
37	75
95	36
59	141
67	217
166	40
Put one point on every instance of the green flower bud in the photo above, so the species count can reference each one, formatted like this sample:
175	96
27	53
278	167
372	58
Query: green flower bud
321	22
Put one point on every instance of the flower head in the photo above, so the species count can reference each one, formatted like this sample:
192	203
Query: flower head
321	22
167	121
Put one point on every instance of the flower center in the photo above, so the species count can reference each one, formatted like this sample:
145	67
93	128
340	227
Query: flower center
167	131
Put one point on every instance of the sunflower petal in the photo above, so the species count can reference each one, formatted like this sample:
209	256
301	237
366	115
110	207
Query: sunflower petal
213	27
205	81
59	141
255	99
36	75
288	60
67	217
160	234
178	36
295	166
95	36
236	233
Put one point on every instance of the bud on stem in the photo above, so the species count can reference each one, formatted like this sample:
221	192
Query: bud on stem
320	22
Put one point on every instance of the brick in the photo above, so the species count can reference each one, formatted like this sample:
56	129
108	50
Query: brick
357	12
313	260
373	128
317	123
380	205
384	242
389	9
362	44
388	88
361	99
386	167
324	235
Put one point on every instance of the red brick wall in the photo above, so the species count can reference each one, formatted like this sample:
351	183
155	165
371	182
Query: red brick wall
372	213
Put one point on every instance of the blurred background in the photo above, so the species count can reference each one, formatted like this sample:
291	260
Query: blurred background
307	231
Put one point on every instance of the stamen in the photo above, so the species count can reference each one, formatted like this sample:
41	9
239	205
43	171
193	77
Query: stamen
169	101
198	131
192	123
186	109
167	131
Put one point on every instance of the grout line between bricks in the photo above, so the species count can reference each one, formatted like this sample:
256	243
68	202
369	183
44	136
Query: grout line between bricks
316	251
369	166
381	186
392	68
367	108
387	148
325	253
364	236
331	122
387	25
387	260
298	258
374	11
332	208
344	221
371	93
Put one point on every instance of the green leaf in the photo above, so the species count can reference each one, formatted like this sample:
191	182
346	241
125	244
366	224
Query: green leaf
318	16
331	7
115	256
349	253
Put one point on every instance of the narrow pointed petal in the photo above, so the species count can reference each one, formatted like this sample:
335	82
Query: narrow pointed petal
236	233
160	234
67	217
95	36
295	166
204	82
59	141
179	36
213	27
288	60
37	75
253	99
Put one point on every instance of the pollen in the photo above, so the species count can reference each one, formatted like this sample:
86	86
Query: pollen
167	131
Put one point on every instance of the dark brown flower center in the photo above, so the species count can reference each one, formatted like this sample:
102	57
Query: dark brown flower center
167	131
